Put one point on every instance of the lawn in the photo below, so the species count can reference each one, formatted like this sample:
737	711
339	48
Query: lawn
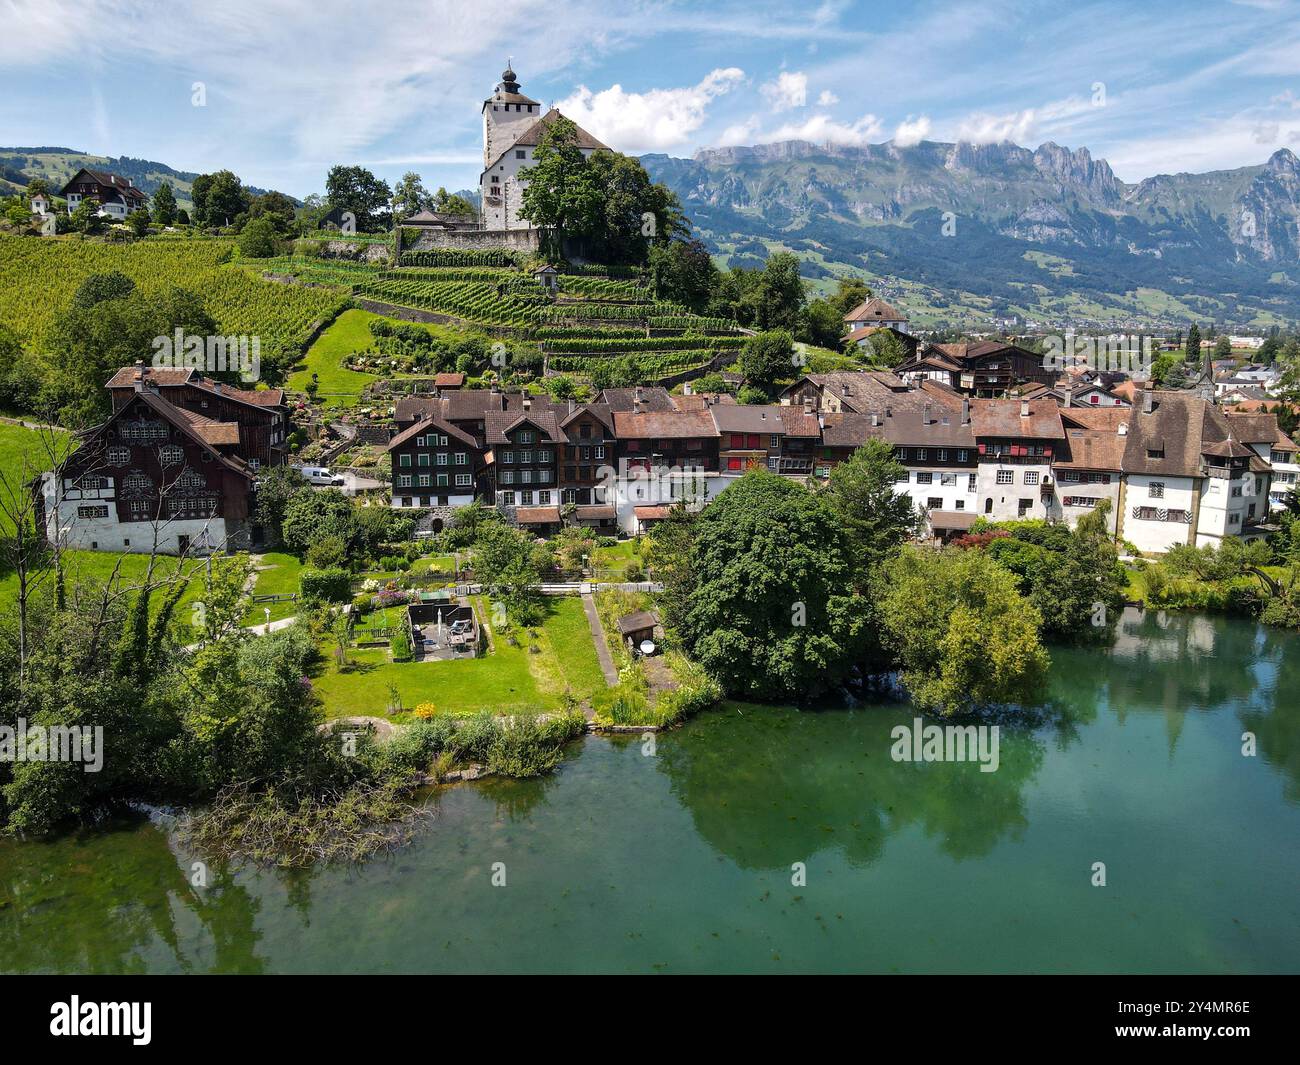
278	576
23	454
339	386
91	568
508	679
348	335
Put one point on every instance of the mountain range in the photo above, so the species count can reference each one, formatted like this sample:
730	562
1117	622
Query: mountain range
965	234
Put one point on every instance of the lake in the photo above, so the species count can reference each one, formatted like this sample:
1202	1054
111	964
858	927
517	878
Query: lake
681	859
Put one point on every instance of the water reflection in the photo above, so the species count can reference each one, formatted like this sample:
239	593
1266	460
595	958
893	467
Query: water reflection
799	785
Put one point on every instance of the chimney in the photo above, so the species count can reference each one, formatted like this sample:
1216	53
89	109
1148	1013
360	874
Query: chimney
875	417
1148	396
925	414
637	393
965	410
1024	408
889	411
527	403
572	405
1069	396
807	406
1123	429
636	404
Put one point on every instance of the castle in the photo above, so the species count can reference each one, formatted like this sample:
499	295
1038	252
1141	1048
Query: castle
513	125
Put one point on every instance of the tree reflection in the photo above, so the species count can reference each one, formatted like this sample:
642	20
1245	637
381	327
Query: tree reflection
785	785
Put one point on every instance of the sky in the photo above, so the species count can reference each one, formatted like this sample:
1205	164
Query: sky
280	90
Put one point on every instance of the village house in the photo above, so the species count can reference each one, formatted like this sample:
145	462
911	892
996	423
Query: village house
260	414
117	196
875	313
987	369
154	477
1017	440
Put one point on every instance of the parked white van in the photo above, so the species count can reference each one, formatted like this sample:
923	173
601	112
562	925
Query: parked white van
321	476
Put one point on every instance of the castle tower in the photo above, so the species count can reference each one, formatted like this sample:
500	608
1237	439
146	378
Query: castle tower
506	114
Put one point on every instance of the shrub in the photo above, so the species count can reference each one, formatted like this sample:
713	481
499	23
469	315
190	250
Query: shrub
401	647
332	585
425	710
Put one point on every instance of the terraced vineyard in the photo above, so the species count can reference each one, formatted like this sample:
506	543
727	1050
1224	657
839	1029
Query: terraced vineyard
39	276
594	317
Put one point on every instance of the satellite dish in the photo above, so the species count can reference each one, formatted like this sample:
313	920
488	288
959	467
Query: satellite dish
647	647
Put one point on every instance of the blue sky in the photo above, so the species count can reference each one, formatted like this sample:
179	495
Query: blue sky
293	86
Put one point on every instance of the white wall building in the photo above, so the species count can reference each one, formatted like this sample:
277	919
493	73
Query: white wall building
512	127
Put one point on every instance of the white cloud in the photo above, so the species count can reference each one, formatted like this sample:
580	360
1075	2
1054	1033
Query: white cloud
912	132
827	98
1265	132
981	128
822	129
648	121
790	90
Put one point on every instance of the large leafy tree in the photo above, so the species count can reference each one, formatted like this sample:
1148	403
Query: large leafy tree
876	520
410	196
779	298
219	198
508	564
108	326
682	271
769	611
164	204
310	516
960	631
562	194
356	189
767	358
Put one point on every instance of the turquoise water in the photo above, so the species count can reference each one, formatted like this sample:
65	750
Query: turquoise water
681	860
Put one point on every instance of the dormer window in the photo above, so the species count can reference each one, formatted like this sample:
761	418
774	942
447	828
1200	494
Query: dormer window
1155	453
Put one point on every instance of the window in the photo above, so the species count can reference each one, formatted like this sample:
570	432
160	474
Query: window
942	454
404	461
1004	476
527	436
93	512
443	458
507	456
934	503
774	440
548	456
949	480
920	454
1236	491
526	498
1234	519
171	455
404	481
464	480
924	478
971	481
520	154
90	483
600	451
119	456
507	476
462	458
423	459
1031	476
1156	490
144	432
136	483
507	499
960	504
525	457
441	481
962	454
424	480
525	476
1155	452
